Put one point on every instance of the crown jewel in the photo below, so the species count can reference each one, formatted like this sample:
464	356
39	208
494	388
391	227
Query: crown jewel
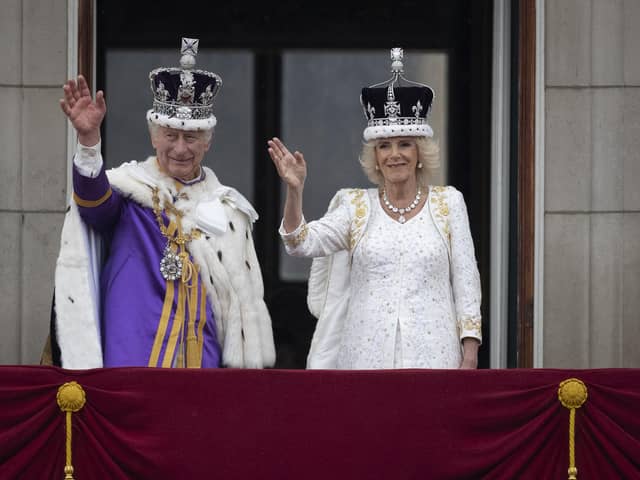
183	97
394	110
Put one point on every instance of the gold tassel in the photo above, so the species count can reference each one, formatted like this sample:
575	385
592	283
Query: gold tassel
71	398
572	393
193	360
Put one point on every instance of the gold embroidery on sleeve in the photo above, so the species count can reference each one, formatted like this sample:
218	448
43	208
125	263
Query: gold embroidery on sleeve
470	324
358	221
299	237
441	210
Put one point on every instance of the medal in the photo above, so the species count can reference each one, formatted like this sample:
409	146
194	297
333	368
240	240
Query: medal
170	264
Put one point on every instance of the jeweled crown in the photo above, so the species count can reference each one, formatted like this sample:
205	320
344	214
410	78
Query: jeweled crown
394	110
183	97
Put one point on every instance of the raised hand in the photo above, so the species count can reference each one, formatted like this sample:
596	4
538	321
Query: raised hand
291	166
84	113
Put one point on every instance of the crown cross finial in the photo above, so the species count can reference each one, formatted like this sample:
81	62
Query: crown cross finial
189	46
396	60
189	50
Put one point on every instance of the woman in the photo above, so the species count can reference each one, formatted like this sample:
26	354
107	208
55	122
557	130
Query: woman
410	294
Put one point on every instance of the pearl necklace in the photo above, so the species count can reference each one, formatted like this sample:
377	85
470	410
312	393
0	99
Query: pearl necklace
401	211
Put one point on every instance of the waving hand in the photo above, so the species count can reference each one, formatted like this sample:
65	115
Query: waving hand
291	166
293	171
84	113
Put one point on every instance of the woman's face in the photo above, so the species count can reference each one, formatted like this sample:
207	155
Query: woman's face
397	159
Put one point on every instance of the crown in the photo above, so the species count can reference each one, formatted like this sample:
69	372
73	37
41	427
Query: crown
183	97
393	110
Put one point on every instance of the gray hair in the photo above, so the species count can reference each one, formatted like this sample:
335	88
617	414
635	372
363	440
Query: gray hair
428	155
154	128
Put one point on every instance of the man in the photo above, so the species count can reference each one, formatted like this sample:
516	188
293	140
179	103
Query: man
180	285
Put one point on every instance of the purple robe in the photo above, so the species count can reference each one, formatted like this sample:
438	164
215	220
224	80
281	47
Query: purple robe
139	307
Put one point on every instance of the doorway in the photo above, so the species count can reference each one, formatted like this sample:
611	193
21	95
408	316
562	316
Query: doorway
294	70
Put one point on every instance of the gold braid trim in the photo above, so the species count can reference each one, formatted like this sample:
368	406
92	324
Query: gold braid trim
358	221
92	203
441	209
71	398
572	394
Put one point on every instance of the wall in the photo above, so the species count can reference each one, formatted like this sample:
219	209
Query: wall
592	169
33	171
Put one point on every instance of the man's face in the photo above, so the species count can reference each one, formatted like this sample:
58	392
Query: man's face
180	152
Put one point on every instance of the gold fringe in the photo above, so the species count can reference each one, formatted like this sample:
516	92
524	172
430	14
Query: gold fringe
193	360
203	321
176	330
572	394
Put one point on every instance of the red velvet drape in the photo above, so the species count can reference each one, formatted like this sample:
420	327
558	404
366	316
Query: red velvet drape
144	423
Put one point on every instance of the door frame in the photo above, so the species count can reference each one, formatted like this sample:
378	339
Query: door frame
528	261
521	272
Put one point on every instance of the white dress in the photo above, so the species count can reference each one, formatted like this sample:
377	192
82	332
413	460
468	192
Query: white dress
405	309
400	313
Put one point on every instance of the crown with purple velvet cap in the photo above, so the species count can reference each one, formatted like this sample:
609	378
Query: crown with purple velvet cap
183	97
394	110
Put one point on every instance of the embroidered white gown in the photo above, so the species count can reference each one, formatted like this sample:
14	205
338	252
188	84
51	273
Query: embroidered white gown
402	312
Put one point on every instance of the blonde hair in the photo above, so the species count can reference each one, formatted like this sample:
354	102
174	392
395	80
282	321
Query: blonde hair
428	155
